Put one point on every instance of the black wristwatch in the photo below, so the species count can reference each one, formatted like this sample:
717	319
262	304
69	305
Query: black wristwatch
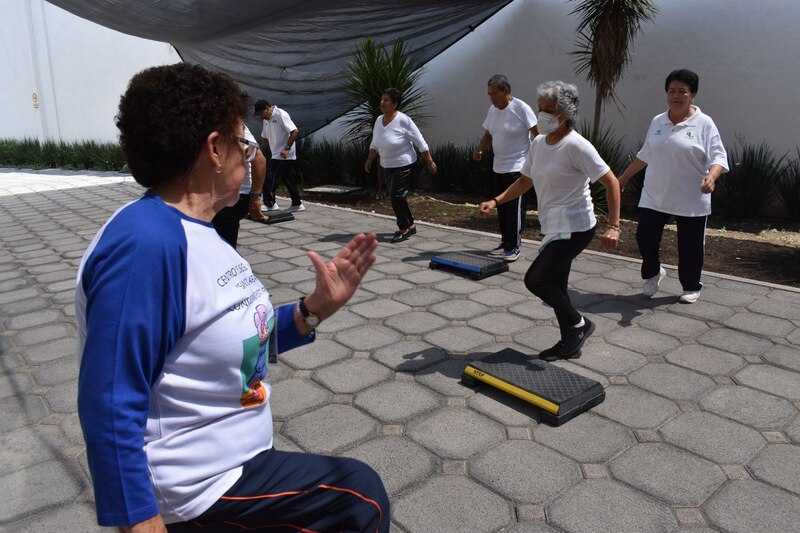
309	318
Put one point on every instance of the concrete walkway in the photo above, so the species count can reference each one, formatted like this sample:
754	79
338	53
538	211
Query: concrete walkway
699	430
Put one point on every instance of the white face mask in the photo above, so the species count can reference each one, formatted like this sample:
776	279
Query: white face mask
547	123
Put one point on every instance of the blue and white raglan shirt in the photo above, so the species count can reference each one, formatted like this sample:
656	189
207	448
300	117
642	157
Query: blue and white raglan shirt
174	336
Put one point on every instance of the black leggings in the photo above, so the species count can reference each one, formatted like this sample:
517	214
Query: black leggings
400	181
691	245
548	276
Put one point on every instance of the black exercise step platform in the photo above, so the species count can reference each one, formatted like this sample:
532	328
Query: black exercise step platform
275	218
559	395
476	266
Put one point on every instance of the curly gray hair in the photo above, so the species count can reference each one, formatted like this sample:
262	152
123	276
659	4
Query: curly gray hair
566	97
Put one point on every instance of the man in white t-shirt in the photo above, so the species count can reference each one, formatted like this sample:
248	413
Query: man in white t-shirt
508	128
278	136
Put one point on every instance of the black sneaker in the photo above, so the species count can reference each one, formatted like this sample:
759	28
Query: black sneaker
400	236
554	353
575	337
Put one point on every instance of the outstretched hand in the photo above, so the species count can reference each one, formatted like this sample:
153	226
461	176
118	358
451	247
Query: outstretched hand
338	279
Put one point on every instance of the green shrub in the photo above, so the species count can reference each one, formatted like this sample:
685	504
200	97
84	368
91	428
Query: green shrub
83	155
755	172
612	149
789	187
458	172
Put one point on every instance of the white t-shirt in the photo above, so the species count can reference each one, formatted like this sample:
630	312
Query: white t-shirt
678	157
510	131
561	174
276	130
395	142
248	176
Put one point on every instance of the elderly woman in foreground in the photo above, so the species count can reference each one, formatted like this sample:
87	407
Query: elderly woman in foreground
560	165
684	156
175	334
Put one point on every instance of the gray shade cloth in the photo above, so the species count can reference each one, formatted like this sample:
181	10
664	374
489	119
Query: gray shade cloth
290	52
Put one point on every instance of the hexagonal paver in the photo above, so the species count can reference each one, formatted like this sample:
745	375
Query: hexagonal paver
387	286
421	297
714	438
734	341
777	308
501	323
459	309
80	517
642	341
779	464
369	337
793	430
668	473
409	356
396	401
539	338
777	381
41	486
445	378
430	508
610	359
343	319
524	471
633	407
381	308
785	356
352	375
752	506
458	286
705	359
399	461
759	324
615	506
534	309
20	411
415	322
456	433
497	297
293	396
319	353
504	408
674	325
749	406
330	428
587	438
458	339
671	381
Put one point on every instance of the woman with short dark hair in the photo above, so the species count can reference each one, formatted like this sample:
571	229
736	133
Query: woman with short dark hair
394	137
684	157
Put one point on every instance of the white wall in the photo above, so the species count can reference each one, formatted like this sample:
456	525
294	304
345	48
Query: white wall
78	70
746	54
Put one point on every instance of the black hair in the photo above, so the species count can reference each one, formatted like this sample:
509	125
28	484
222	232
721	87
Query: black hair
686	76
394	95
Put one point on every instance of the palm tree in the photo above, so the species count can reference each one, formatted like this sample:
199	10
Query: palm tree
606	29
372	70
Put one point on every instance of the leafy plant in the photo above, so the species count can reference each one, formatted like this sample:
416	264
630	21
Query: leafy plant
606	30
84	155
458	172
372	70
789	187
755	172
612	149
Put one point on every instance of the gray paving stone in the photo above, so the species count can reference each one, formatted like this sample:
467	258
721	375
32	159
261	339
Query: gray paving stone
671	381
279	442
64	398
369	337
587	438
66	370
794	337
747	506
727	297
759	324
36	319
743	286
79	516
610	359
707	360
459	309
776	308
17	295
674	325
319	353
502	407
416	322
458	286
793	430
397	401
791	296
622	312
396	268
46	352
524	471
409	356
71	427
642	341
423	277
387	286
607	502
531	527
748	406
712	437
342	320
777	381
291	397
633	407
784	355
330	428
352	375
500	323
42	334
455	433
14	383
430	509
27	305
458	339
58	275
39	487
28	446
779	464
20	411
734	341
534	309
399	461
497	297
539	338
590	266
13	284
668	473
379	308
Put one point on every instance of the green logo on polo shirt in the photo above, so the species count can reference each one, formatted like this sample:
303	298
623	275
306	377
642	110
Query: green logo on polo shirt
658	132
690	134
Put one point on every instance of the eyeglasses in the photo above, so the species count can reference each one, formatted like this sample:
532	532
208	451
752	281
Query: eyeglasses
250	148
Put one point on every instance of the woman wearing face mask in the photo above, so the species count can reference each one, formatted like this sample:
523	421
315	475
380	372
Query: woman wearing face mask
559	166
684	156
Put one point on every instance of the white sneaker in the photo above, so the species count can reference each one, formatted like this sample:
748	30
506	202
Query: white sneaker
273	207
651	284
299	207
689	297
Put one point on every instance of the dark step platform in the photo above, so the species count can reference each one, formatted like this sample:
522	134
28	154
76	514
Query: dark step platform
474	265
559	395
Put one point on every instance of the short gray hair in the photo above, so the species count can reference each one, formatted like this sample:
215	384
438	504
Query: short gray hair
500	81
566	97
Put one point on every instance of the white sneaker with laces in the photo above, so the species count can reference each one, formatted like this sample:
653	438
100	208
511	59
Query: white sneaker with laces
689	297
651	284
299	207
273	207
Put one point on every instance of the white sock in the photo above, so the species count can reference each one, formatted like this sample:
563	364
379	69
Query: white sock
580	324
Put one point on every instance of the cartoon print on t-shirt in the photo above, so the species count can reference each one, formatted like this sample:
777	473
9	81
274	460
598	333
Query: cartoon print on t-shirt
254	362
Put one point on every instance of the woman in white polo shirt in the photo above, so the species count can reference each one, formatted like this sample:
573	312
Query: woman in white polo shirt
560	165
684	156
393	139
